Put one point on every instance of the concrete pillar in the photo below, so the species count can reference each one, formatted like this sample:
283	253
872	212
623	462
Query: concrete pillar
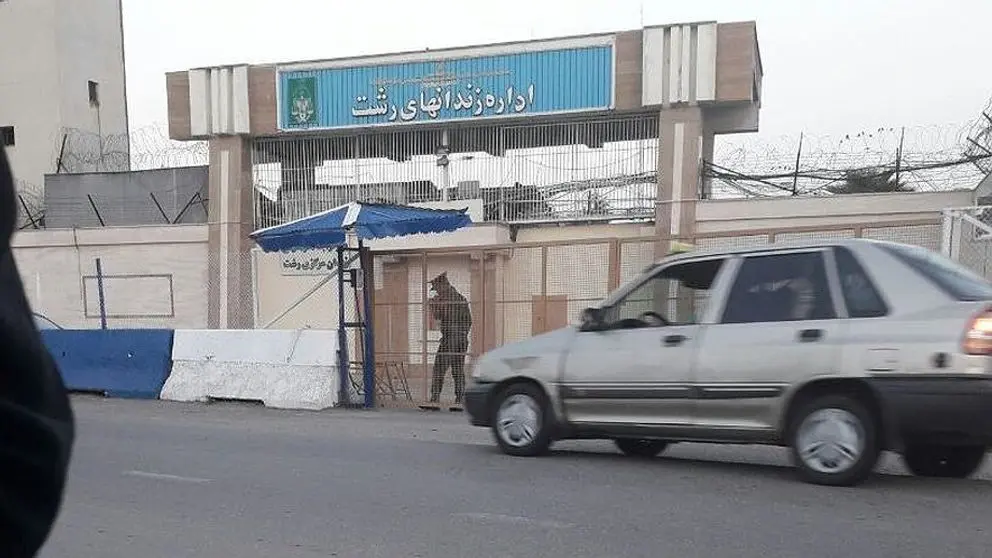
230	221
679	175
685	142
706	191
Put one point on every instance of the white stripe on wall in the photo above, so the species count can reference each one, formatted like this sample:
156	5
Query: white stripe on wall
199	105
706	62
678	143
240	109
678	64
675	70
220	96
653	66
686	65
218	101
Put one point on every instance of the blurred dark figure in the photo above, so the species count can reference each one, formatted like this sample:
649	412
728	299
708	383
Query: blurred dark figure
454	318
36	424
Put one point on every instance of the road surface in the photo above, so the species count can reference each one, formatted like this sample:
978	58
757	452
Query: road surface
158	480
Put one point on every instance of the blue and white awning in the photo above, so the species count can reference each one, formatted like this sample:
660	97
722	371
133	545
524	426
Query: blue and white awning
366	220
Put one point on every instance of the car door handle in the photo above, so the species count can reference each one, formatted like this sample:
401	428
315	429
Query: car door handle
674	340
810	335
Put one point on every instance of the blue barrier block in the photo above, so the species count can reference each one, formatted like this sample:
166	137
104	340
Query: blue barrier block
125	363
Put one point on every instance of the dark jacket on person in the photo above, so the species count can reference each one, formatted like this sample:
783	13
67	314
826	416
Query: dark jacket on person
36	422
452	312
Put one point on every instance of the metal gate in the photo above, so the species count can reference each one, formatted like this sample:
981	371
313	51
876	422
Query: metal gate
588	169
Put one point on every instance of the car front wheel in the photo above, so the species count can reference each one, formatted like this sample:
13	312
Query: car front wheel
520	421
954	462
834	441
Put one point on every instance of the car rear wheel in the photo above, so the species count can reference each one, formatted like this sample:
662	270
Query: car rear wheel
954	462
834	441
640	448
521	420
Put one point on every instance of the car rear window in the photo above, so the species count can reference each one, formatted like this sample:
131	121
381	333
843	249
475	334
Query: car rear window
952	278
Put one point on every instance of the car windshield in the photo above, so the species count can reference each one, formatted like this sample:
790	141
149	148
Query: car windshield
955	280
625	288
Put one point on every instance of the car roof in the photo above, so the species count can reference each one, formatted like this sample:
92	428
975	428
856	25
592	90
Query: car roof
776	246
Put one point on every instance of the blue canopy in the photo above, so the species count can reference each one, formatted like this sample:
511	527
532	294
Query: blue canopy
367	220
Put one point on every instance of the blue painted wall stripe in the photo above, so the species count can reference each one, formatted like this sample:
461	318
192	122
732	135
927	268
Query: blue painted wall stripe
578	79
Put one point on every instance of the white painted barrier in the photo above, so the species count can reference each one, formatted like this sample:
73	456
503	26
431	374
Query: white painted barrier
286	369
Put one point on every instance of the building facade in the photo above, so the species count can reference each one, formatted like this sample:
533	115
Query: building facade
62	92
633	112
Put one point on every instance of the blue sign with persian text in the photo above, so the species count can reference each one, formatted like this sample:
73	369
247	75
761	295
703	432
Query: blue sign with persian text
520	84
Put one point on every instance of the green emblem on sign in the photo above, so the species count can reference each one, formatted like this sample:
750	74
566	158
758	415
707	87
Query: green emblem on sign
302	99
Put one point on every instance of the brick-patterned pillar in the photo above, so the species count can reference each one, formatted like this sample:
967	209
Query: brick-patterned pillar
679	176
685	142
230	221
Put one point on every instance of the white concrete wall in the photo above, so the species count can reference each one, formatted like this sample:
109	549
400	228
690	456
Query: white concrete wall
54	263
553	233
282	368
90	47
154	276
277	289
56	46
29	88
479	234
715	216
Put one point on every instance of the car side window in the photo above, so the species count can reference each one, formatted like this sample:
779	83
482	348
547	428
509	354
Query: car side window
780	288
860	295
675	295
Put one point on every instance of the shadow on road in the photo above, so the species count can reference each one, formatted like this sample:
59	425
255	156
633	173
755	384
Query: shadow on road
771	471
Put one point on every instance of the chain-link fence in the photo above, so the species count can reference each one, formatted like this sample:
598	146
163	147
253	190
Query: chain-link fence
434	311
967	237
518	291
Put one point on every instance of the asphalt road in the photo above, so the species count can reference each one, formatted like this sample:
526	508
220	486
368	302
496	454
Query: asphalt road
158	480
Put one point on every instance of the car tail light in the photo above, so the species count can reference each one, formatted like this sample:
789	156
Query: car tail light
978	335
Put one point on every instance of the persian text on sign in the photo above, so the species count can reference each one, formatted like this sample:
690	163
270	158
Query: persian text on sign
472	99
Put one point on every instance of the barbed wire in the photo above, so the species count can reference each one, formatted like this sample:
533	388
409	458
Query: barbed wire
82	151
924	158
978	135
145	148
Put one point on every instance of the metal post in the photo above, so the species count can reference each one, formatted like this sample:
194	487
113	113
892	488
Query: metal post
443	161
366	263
947	232
344	394
100	294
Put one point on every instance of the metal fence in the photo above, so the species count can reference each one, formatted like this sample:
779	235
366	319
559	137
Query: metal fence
518	291
511	292
967	237
586	169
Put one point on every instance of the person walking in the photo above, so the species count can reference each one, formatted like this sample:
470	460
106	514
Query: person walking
36	422
451	311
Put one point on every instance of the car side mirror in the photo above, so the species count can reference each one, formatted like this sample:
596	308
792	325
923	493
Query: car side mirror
592	319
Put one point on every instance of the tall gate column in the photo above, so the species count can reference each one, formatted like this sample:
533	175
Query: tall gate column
684	142
230	300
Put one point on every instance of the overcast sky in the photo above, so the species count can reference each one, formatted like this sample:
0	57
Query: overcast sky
831	66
